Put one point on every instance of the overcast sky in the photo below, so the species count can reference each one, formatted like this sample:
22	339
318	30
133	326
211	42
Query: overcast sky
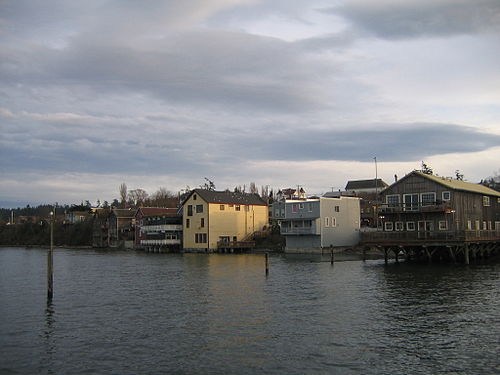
277	92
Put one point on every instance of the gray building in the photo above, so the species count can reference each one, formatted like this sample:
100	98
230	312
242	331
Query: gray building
311	225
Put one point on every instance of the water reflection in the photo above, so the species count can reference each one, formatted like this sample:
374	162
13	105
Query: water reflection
49	340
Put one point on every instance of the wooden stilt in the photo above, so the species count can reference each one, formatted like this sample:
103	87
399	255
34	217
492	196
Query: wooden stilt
466	253
267	264
331	257
386	259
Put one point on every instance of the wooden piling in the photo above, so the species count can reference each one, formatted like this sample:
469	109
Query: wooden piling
466	253
50	261
267	264
386	259
331	258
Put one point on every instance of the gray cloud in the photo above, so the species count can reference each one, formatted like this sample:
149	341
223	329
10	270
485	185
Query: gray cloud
395	19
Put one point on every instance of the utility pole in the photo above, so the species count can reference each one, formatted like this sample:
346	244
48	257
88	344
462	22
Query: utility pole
50	260
376	192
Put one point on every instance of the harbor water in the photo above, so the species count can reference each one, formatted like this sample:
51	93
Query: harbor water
117	312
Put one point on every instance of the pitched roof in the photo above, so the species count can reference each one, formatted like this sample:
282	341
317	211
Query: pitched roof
459	185
366	184
150	211
228	197
124	212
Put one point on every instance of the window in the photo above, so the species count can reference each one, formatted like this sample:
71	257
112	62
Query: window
277	212
295	208
222	207
485	226
282	212
410	226
490	226
445	195
190	210
199	208
187	223
443	225
202	223
428	199
194	197
231	205
497	225
301	206
478	226
334	221
337	208
486	201
425	226
310	207
200	238
410	202
469	225
327	221
399	226
392	200
237	207
388	226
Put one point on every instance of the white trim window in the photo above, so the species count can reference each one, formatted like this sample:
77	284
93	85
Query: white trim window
327	221
428	199
446	195
469	224
301	206
388	226
478	225
485	226
443	225
490	225
334	221
392	200
399	226
410	202
486	201
410	226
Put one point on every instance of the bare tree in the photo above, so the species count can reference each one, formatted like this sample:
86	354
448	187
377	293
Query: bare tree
253	188
163	198
123	194
138	196
459	175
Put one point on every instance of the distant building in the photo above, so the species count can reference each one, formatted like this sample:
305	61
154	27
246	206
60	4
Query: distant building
359	187
75	217
121	227
218	219
311	225
158	229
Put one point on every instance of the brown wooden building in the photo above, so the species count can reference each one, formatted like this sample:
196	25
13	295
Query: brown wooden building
437	215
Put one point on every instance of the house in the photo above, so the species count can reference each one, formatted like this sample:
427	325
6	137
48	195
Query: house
368	191
425	210
311	225
74	217
121	227
359	187
214	220
158	229
100	228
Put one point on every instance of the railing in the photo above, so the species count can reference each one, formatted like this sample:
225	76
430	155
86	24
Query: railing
387	208
430	236
298	230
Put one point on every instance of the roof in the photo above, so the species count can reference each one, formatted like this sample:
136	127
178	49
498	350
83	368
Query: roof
228	197
460	185
124	212
157	211
366	184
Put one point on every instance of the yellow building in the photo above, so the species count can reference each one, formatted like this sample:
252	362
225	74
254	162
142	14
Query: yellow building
211	217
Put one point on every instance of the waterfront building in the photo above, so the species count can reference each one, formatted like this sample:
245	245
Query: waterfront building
370	186
368	191
437	215
121	227
216	220
314	224
158	229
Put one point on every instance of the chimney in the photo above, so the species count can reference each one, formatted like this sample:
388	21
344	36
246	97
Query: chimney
395	178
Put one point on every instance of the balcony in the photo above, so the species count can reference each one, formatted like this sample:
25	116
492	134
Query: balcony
419	237
386	208
298	231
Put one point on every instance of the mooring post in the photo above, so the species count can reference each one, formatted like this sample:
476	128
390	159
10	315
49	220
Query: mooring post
267	264
385	256
466	253
50	260
332	259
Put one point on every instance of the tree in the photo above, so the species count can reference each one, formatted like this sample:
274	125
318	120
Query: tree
253	188
123	194
459	175
426	169
208	185
138	197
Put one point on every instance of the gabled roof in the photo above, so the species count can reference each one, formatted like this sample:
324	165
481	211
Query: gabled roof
227	197
124	212
366	184
156	211
455	184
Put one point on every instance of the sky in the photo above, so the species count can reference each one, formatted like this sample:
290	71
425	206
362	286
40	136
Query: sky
281	93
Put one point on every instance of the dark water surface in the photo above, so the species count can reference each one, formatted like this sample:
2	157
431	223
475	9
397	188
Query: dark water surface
133	313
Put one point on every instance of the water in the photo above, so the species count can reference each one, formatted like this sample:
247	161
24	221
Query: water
133	313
